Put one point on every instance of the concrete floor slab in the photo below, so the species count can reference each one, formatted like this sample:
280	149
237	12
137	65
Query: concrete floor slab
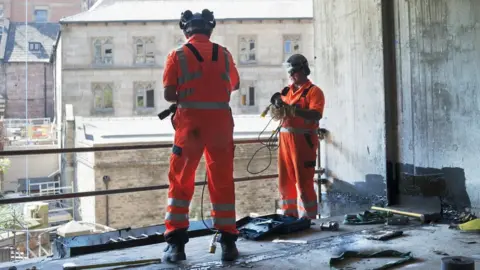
427	243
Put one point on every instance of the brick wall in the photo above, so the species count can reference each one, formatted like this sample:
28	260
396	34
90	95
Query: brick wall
15	90
150	167
57	9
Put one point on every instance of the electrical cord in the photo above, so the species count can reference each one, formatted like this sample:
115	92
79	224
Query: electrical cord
201	204
271	145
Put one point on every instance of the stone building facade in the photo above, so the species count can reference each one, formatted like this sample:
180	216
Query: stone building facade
113	61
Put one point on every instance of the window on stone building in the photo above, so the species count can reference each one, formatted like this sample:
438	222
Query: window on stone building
34	46
40	15
103	51
144	50
247	52
248	96
291	45
144	95
103	93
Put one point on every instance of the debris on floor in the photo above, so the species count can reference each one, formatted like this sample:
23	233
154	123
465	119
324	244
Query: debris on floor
458	262
439	252
73	266
423	217
468	242
260	227
470	226
292	241
386	235
367	218
396	220
450	214
330	226
335	262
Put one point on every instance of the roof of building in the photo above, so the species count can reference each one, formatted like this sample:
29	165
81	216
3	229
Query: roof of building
125	130
3	36
168	10
20	35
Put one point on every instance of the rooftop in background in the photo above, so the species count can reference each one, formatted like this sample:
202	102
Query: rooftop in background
33	42
37	131
168	10
121	130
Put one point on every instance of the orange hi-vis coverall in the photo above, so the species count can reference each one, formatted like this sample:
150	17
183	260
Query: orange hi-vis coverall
205	75
297	153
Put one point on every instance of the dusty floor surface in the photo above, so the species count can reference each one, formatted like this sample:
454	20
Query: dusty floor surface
428	243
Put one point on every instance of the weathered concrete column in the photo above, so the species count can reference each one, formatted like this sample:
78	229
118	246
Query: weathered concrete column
438	56
349	68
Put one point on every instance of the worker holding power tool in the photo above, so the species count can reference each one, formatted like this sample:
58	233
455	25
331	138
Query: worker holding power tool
299	107
199	78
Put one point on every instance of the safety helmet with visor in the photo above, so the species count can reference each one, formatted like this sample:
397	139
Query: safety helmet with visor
197	23
297	63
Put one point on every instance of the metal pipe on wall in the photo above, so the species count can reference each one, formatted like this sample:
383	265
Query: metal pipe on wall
45	108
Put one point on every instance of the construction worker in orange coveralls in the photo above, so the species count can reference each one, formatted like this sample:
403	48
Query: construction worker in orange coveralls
199	78
302	108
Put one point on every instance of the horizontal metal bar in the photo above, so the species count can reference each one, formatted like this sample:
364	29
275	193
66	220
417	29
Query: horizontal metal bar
117	191
29	152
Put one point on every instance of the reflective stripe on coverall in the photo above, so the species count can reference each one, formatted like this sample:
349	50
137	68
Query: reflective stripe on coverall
204	124
297	159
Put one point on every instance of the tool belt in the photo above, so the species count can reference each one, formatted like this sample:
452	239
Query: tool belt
170	111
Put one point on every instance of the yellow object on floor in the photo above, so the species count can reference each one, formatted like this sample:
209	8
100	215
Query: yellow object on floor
473	225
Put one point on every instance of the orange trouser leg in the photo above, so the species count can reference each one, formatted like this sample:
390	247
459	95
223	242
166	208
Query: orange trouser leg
219	155
186	154
304	151
286	177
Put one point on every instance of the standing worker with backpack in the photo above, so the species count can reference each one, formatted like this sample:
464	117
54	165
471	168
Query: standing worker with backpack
199	78
301	108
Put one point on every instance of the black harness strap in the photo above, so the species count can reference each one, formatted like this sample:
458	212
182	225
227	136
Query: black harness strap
285	91
305	92
199	57
195	52
215	52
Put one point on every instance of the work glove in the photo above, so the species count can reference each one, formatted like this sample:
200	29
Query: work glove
279	113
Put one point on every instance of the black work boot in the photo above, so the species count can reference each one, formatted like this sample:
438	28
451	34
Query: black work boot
229	248
175	251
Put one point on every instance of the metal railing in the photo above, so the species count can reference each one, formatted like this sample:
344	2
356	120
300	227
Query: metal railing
120	190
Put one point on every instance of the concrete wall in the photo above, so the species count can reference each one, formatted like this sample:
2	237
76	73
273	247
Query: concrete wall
150	167
38	166
438	62
267	76
349	69
85	181
432	116
39	89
